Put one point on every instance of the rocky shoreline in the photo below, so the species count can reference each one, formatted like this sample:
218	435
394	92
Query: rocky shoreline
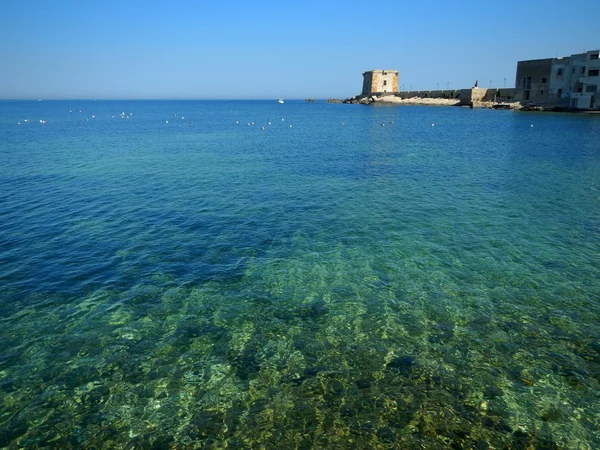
392	99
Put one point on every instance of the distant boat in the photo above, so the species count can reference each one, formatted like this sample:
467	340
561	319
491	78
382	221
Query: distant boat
280	100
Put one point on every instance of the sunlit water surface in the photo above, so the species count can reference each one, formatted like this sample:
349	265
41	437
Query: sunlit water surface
348	277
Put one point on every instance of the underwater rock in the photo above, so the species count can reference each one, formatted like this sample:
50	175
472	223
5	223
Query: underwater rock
334	390
11	430
443	331
493	392
402	365
245	365
386	434
95	396
553	414
313	310
364	383
206	423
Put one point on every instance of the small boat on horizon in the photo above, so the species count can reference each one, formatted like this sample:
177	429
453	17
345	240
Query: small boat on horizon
280	100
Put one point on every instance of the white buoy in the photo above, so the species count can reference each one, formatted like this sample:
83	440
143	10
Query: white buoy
182	117
166	121
93	117
531	125
18	123
70	111
269	123
113	117
290	126
237	121
343	123
433	124
263	128
383	124
282	120
26	120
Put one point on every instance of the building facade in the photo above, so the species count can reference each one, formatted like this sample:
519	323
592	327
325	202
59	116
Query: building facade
532	79
378	82
585	80
572	81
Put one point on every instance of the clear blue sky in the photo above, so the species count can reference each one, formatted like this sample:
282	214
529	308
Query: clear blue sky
267	49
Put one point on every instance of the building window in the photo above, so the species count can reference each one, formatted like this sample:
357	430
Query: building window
385	82
543	80
593	72
559	93
558	73
591	89
582	69
542	92
594	56
573	71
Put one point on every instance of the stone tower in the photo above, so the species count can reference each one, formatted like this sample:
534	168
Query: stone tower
379	82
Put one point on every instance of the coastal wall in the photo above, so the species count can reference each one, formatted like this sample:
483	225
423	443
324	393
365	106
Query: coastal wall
446	93
478	95
467	96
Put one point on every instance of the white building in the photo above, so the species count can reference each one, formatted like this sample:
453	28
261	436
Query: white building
571	81
585	79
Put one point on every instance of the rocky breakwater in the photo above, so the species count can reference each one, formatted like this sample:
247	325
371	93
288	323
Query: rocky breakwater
392	99
358	99
418	101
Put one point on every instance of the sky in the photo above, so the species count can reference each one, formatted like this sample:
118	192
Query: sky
84	49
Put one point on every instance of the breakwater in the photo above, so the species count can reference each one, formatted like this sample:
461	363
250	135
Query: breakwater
474	97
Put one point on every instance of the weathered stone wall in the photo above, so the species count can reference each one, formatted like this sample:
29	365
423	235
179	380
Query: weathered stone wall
446	93
367	82
385	81
375	82
479	95
533	78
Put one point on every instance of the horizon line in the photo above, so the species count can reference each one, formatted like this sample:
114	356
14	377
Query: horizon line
156	99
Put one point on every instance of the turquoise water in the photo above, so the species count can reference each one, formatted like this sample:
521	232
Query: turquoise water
335	284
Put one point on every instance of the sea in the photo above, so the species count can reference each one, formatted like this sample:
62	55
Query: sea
256	275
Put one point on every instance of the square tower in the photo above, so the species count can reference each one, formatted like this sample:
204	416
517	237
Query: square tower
379	82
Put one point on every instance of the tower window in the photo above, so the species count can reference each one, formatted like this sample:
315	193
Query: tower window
385	82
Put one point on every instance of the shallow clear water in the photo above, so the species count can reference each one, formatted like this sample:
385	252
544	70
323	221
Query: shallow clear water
204	283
